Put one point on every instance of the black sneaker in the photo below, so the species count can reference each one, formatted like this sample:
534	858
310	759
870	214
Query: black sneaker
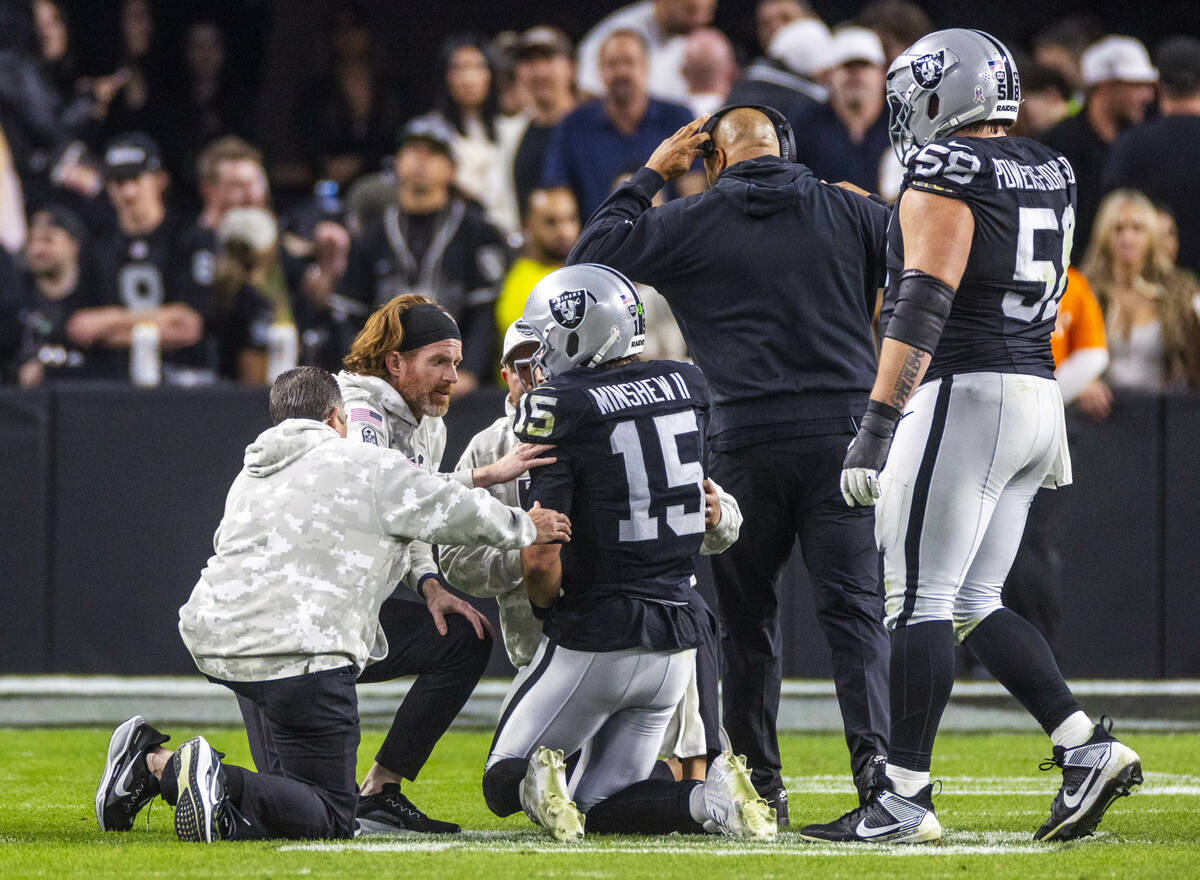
127	784
886	818
872	777
778	799
202	812
389	812
1094	775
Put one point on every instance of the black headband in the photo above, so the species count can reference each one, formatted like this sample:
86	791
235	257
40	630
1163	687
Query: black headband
425	324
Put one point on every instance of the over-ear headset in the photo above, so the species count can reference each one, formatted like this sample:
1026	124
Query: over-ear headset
787	139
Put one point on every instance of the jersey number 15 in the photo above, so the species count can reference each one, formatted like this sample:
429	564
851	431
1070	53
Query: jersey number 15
625	442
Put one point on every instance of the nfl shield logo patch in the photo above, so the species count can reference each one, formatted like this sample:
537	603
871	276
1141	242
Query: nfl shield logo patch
927	70
568	307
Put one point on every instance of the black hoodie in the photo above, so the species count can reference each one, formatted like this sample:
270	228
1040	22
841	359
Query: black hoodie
772	276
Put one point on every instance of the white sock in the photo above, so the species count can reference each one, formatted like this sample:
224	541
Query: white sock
696	804
907	782
1075	731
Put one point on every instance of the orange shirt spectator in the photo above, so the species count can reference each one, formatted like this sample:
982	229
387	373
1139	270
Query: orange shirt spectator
1080	351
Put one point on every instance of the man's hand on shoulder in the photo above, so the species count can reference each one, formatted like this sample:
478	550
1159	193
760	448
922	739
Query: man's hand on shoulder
674	156
512	464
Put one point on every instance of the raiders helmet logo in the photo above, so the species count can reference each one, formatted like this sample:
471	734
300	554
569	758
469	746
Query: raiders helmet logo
568	307
927	70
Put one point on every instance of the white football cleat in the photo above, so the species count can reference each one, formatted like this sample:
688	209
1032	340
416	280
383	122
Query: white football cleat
733	806
544	796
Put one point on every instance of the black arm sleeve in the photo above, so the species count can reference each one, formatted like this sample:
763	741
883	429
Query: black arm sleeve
922	305
627	234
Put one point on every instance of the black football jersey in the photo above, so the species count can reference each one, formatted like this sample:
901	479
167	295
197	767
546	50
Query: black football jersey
145	272
1022	196
629	473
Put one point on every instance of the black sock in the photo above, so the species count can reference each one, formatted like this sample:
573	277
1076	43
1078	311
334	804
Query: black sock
654	806
1015	652
922	674
662	770
169	783
502	785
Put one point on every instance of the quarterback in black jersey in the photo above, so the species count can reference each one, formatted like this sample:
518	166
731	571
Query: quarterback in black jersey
619	644
965	424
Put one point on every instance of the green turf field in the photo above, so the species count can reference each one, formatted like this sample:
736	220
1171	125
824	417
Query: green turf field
993	798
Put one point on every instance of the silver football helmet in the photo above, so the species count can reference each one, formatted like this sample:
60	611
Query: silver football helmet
946	80
584	315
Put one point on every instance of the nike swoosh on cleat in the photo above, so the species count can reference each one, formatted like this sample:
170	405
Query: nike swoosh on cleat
865	830
119	788
1071	801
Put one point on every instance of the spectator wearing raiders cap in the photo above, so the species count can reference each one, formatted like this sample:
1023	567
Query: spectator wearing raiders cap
1160	158
138	270
1119	79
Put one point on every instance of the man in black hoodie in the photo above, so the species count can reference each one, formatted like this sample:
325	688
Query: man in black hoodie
773	277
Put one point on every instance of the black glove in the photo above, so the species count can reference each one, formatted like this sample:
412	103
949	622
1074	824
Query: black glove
868	453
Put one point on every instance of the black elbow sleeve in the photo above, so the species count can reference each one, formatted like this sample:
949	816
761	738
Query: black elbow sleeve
922	306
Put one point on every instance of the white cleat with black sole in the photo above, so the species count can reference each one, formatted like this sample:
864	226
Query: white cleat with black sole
544	796
1094	775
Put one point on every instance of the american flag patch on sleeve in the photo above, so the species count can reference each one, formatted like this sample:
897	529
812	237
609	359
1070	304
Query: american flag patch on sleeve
363	414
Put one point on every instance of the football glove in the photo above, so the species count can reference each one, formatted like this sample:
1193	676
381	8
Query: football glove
868	453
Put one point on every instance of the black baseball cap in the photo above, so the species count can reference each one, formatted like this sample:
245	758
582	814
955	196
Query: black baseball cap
63	218
1178	60
129	155
431	129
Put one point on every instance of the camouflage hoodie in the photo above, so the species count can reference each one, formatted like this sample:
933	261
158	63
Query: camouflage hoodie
304	553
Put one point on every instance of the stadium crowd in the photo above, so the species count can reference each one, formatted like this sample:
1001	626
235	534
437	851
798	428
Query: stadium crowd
137	210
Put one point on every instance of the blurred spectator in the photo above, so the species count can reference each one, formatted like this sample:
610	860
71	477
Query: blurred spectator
664	26
897	23
1162	157
346	120
1033	587
1153	331
847	138
1061	45
59	68
710	69
545	67
138	276
1169	230
12	202
1120	86
605	136
468	102
241	311
512	95
54	289
550	226
1080	349
132	98
1045	98
771	15
10	316
209	102
436	243
785	79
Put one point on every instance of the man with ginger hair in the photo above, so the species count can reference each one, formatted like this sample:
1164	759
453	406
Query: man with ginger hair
789	361
399	376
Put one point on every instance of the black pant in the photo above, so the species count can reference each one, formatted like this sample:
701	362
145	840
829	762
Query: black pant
304	737
447	669
789	488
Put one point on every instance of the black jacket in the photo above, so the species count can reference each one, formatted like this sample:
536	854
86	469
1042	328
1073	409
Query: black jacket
773	278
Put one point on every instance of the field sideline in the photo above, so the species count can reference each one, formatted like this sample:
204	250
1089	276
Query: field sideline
993	798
